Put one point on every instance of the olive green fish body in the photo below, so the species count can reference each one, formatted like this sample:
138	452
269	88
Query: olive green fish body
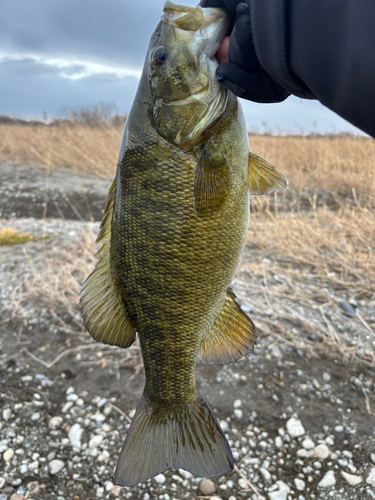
174	266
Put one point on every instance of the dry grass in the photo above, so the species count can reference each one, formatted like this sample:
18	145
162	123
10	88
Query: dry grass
9	237
339	164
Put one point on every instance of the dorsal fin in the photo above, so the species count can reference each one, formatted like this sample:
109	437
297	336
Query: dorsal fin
102	306
231	336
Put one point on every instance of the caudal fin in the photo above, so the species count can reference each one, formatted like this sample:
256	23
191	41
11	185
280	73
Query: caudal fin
187	437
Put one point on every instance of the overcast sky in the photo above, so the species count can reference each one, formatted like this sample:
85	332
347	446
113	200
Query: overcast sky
63	54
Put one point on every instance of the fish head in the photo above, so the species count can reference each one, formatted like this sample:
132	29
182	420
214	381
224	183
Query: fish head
187	98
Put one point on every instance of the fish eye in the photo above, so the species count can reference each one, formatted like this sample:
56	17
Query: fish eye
159	56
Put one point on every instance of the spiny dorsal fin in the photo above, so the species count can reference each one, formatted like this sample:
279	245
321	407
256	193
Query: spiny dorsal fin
101	303
264	178
212	181
231	336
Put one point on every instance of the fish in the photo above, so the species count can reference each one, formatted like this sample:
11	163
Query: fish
172	235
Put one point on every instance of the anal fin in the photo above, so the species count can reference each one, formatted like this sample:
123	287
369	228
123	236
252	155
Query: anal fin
232	335
102	306
264	178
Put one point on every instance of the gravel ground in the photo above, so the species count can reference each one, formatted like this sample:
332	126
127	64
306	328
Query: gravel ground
300	428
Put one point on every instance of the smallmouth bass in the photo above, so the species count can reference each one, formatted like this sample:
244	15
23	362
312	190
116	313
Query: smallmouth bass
172	236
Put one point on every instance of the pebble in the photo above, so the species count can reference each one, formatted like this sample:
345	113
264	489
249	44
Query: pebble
278	441
109	486
308	444
207	487
237	403
299	484
347	308
35	416
2	482
96	441
327	480
8	455
373	458
224	425
295	428
326	376
351	479
104	456
75	434
66	407
55	423
320	452
281	493
371	477
7	413
243	484
339	428
15	496
160	478
238	413
266	475
55	466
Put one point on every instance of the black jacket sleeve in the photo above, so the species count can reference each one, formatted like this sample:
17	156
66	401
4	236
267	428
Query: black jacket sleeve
320	49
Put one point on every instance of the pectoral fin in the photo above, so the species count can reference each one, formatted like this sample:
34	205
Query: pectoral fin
231	336
264	178
212	181
101	303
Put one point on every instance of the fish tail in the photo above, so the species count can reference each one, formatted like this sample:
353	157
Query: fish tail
187	437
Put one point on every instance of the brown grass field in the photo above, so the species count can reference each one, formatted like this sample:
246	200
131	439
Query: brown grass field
329	235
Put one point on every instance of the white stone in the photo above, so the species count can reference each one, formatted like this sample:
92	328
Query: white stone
243	484
351	478
104	456
7	413
55	423
373	458
96	441
160	478
55	466
109	486
75	434
70	390
266	475
33	465
35	416
327	480
2	482
299	484
8	455
339	428
278	441
321	452
308	444
281	493
295	428
237	403
207	487
371	477
326	377
238	413
66	407
224	425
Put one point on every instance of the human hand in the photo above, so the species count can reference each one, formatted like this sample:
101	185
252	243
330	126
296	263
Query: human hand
240	70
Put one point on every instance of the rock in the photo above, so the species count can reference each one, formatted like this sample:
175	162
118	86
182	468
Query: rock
237	403
327	480
116	491
35	416
55	466
2	482
308	444
238	413
224	425
8	455
339	428
55	423
109	486
33	466
295	428
207	487
281	493
160	478
96	441
299	484
266	475
351	479
326	376
32	485
7	413
373	458
371	477
243	484
66	407
15	496
347	308
278	441
104	456
321	452
9	490
75	434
